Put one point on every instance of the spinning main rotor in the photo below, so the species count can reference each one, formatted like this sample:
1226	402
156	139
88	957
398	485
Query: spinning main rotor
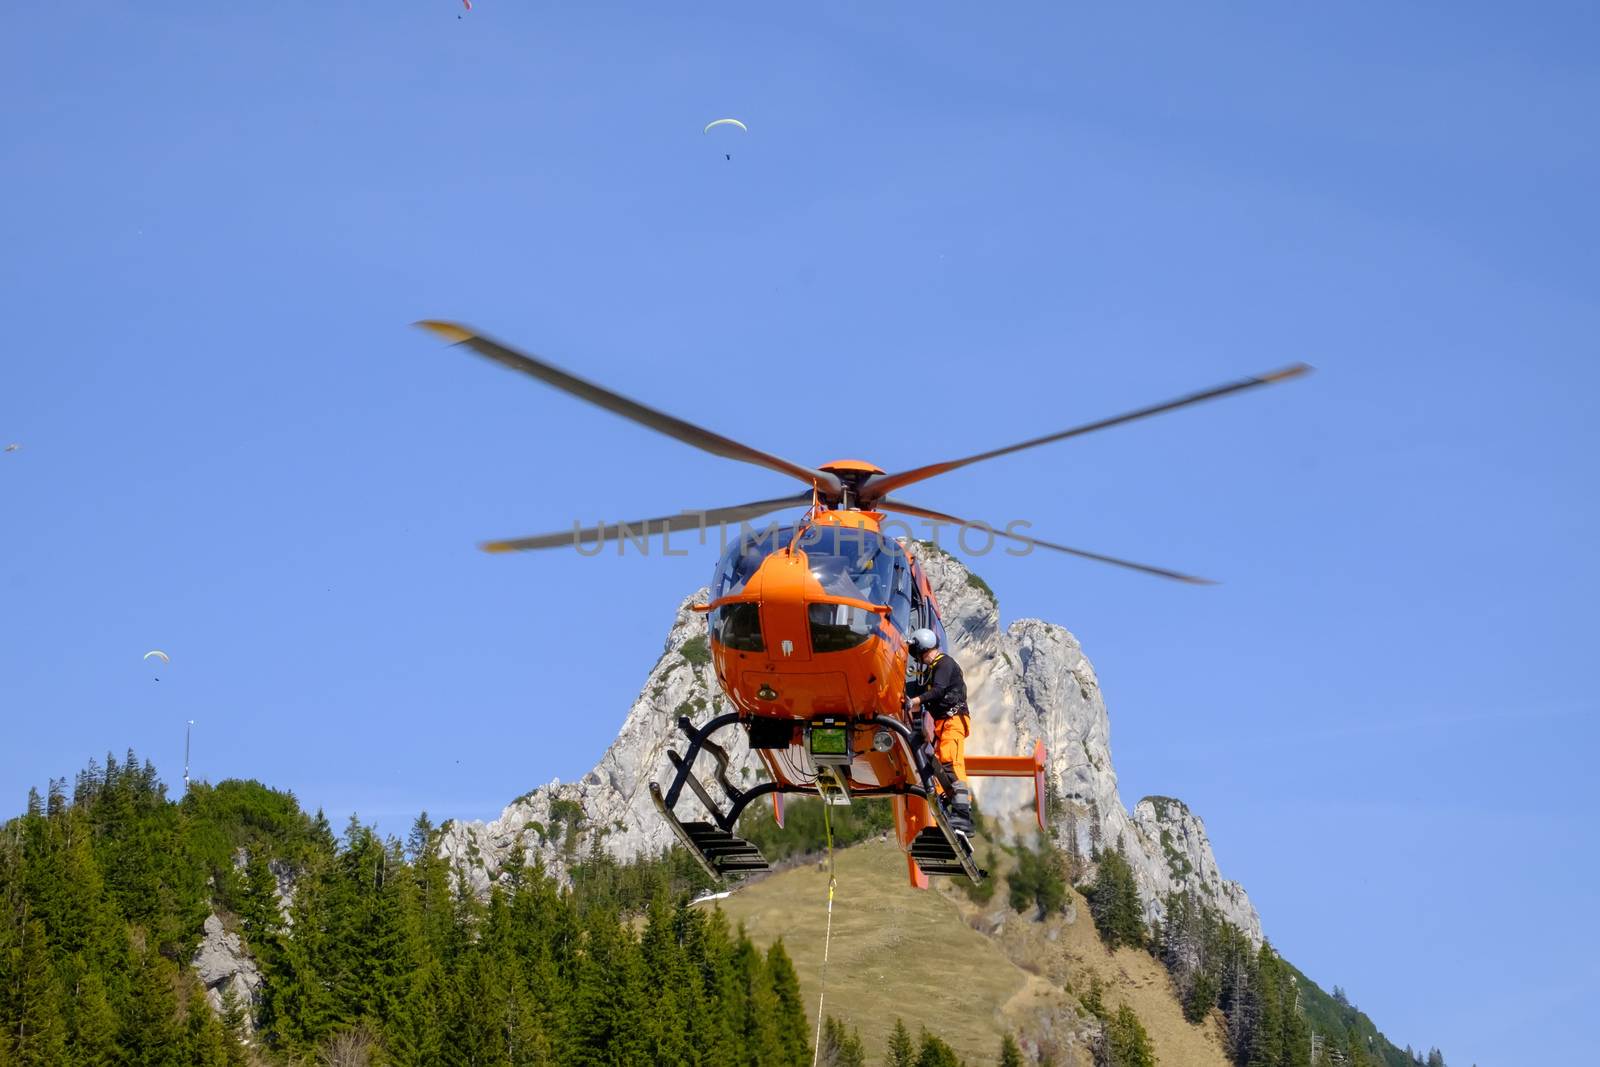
842	484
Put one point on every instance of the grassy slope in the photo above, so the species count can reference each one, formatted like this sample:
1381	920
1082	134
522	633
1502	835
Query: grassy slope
900	953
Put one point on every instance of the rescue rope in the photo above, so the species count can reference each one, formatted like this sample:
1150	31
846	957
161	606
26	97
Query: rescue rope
827	938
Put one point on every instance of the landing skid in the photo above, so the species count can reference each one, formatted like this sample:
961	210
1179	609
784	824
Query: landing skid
937	849
713	844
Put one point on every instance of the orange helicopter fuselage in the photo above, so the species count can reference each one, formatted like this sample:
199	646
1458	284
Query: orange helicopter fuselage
801	670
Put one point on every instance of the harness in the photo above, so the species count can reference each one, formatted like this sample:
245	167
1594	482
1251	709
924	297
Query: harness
945	711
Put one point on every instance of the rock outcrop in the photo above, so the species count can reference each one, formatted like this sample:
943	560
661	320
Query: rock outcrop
1028	682
225	967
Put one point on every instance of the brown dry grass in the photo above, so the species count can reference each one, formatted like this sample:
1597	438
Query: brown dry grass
920	956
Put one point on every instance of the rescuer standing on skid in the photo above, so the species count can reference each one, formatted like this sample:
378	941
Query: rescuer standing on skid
942	693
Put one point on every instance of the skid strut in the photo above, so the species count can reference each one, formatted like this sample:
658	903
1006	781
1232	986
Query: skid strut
713	843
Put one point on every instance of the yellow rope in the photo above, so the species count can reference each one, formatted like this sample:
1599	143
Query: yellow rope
827	939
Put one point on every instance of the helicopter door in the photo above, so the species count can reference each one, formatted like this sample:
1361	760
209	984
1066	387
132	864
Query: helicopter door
900	594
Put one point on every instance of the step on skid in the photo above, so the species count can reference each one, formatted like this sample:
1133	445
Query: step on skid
939	849
713	844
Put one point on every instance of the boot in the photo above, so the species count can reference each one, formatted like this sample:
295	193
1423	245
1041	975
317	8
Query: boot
960	810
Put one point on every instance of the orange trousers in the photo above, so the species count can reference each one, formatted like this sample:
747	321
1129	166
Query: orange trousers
950	743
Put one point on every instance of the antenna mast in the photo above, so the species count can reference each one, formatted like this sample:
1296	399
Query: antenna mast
187	730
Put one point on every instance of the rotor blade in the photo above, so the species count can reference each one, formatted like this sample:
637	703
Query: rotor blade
939	516
888	483
684	520
617	404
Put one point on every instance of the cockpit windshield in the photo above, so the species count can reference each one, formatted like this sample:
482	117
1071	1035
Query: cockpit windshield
849	562
846	562
745	556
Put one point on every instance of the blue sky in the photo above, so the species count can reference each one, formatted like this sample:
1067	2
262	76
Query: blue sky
945	230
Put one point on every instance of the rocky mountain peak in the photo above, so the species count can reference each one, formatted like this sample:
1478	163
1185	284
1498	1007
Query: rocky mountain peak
1027	682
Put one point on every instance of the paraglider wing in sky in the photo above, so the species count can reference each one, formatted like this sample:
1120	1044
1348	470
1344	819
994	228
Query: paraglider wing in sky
162	656
725	122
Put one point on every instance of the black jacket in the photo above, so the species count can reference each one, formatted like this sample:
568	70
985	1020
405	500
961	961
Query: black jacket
943	689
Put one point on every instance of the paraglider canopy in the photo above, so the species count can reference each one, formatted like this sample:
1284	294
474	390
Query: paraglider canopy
726	122
162	656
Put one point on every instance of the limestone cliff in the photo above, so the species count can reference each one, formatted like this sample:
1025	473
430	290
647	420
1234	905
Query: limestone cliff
1027	682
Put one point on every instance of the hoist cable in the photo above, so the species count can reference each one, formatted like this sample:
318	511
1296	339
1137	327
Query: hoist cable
827	938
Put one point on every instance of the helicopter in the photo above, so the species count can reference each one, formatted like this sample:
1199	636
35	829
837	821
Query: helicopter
808	624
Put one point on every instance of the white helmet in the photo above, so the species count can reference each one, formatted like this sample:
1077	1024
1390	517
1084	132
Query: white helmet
923	640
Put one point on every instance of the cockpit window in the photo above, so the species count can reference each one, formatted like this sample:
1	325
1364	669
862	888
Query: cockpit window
745	556
846	562
738	626
849	562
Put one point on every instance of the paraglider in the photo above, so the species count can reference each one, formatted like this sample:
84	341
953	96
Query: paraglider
13	447
725	122
158	654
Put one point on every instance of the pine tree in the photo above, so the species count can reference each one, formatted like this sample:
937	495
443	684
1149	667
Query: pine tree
1266	1014
933	1052
1296	1030
1093	998
259	914
1236	989
1355	1051
235	1015
1022	881
609	998
417	1033
1201	998
150	1034
298	1007
1050	885
789	1010
94	1036
1114	903
902	1053
1010	1054
717	1029
527	1042
1125	1043
674	989
206	1043
38	1038
840	1047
